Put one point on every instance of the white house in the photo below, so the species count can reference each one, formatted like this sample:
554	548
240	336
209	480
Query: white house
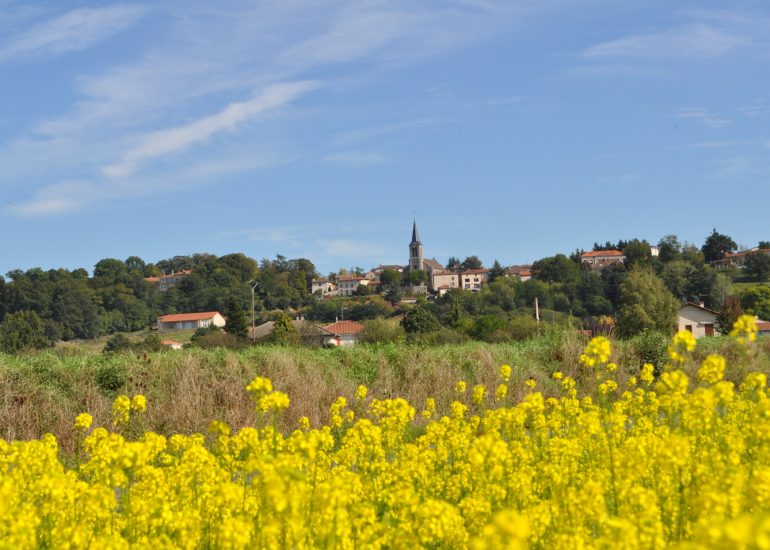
324	286
697	319
347	286
474	279
190	321
348	332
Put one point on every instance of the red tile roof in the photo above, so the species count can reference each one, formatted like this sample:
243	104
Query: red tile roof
174	317
345	327
600	253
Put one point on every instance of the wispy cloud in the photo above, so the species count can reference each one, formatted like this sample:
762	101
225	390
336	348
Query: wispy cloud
76	30
692	40
171	140
709	119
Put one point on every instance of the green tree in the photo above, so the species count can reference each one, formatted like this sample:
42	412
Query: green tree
764	245
390	277
758	266
645	304
453	263
669	248
495	271
471	262
284	331
717	246
22	330
236	323
729	313
420	320
637	252
556	269
117	343
417	277
756	301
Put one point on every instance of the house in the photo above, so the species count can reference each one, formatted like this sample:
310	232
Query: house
763	327
324	287
309	333
347	285
521	272
190	321
166	281
474	279
445	280
377	271
599	259
738	259
348	332
171	344
697	319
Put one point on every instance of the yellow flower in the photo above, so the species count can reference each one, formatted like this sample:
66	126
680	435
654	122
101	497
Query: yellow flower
273	401
304	423
712	370
460	386
479	391
505	373
597	352
121	409
83	421
648	373
501	392
361	393
745	329
260	385
531	383
139	404
682	343
218	427
558	375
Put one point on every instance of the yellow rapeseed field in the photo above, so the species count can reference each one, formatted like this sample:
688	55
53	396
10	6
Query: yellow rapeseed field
666	461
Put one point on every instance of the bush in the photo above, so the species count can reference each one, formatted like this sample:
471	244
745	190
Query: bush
110	377
650	347
380	331
443	336
118	343
219	339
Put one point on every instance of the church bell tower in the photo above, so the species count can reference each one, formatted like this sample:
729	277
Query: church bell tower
416	259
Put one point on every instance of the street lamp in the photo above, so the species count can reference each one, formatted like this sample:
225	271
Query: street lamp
253	313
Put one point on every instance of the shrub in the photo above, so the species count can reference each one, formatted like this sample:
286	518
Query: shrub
117	343
380	331
650	347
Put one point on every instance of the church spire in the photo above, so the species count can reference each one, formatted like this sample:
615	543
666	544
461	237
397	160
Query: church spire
415	234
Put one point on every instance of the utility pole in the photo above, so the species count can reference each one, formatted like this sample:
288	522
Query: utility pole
537	311
253	311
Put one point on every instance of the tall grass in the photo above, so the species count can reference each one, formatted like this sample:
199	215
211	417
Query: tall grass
43	392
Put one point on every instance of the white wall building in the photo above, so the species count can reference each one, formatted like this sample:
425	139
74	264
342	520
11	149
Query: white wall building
697	319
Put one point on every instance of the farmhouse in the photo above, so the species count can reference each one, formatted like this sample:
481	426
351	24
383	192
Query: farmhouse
309	333
190	321
599	259
697	319
348	332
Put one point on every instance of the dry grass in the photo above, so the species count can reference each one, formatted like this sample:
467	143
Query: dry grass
43	392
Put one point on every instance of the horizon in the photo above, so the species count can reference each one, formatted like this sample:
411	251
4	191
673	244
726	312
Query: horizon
511	130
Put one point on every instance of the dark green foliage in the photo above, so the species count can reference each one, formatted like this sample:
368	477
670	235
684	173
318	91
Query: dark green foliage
717	245
556	269
637	252
237	324
471	262
152	343
651	347
669	248
756	301
381	331
757	266
118	343
418	320
731	310
111	376
495	272
764	245
22	330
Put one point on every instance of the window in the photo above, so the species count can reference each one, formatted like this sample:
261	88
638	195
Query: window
688	328
467	285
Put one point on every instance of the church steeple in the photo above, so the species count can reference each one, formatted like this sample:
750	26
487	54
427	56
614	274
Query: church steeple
416	259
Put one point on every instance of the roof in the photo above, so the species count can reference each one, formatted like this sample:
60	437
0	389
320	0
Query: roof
516	269
693	304
433	264
170	343
384	267
600	253
415	234
345	327
175	317
763	326
475	271
525	273
442	287
348	278
303	327
180	273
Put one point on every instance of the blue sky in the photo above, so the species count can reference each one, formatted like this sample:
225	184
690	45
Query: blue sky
511	129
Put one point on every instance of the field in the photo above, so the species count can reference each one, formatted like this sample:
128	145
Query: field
534	444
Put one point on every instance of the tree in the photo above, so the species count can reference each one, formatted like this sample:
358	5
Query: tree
419	320
22	330
764	245
729	313
645	303
757	266
756	301
717	246
669	248
117	343
556	269
496	271
637	252
453	263
236	323
284	331
390	278
417	277
471	262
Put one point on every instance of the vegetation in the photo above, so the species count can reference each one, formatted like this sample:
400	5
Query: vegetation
585	455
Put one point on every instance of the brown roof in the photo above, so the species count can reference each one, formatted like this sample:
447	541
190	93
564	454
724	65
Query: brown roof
187	316
600	253
433	264
345	327
763	326
180	273
171	343
693	304
475	271
346	278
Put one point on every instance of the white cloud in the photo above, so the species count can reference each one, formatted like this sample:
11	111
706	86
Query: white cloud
76	30
171	140
693	40
709	119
